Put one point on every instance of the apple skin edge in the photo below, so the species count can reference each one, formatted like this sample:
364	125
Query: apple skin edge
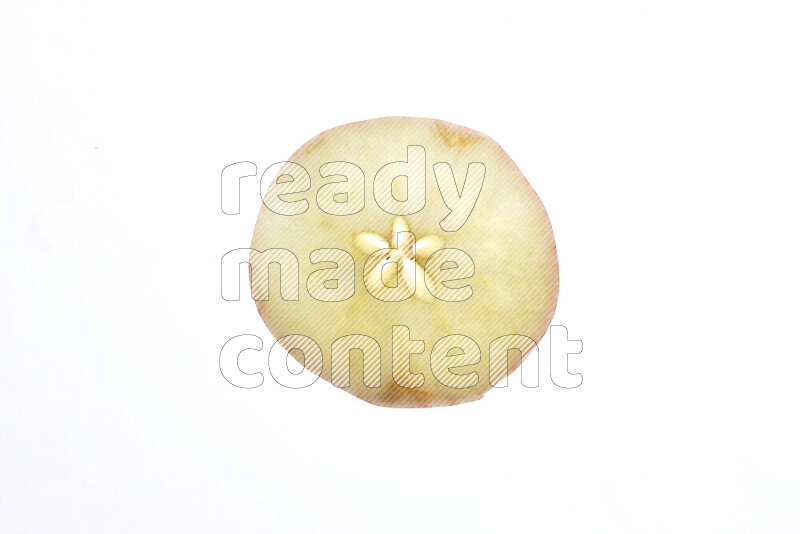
507	234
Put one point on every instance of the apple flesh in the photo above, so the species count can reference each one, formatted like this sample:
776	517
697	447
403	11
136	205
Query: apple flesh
402	296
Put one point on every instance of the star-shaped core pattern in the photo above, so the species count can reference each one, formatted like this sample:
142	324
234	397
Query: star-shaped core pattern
403	252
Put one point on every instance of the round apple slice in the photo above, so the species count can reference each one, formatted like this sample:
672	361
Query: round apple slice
407	261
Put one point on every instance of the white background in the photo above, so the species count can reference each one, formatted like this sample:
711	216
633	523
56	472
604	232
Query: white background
661	136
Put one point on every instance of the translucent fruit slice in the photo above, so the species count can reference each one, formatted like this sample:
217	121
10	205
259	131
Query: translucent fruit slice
414	242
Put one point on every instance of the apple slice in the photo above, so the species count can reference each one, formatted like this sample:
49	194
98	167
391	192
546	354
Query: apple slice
413	253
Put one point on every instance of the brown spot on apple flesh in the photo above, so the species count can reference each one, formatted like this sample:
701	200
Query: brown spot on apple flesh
453	137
